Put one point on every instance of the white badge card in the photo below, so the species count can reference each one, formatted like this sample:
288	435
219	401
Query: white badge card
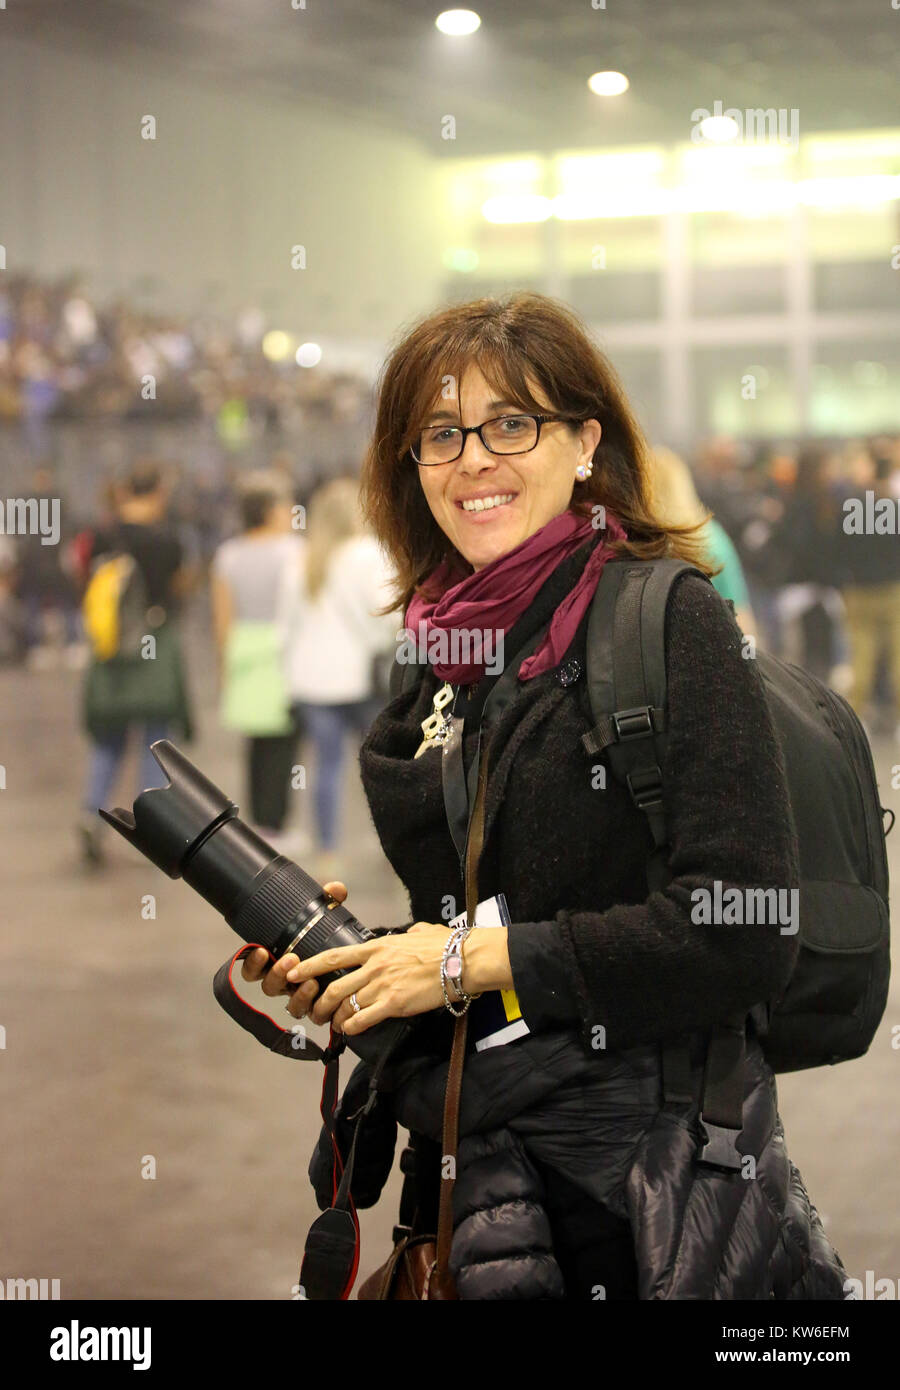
495	1018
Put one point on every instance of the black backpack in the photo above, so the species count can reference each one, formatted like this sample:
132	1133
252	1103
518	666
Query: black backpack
837	993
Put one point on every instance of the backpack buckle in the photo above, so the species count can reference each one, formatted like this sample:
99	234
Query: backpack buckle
632	723
645	786
720	1149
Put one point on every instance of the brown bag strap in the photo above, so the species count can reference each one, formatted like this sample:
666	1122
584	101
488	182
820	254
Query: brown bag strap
441	1275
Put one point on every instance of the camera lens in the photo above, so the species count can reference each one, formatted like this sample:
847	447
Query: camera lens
191	830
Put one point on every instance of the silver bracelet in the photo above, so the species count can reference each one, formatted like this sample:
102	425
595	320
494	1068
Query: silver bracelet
454	943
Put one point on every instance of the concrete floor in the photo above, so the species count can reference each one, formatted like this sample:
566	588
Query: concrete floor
115	1049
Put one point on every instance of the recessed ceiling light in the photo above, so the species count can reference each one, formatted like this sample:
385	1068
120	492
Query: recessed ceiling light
608	84
458	22
719	129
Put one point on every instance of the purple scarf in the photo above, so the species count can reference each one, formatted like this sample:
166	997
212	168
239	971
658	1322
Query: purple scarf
493	598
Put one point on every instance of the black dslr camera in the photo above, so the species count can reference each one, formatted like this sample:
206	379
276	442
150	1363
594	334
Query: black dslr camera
191	830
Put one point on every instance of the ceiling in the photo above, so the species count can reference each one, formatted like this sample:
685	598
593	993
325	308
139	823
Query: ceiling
519	83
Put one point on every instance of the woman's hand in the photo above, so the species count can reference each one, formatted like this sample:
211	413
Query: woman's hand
255	967
395	976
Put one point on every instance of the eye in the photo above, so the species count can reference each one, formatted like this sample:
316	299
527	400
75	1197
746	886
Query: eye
517	422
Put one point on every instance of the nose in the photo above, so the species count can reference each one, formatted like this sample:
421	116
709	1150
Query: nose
475	457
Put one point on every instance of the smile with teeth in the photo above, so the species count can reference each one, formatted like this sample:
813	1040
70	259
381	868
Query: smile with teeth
483	504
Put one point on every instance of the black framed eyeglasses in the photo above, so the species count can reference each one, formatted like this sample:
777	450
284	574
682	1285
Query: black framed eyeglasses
506	434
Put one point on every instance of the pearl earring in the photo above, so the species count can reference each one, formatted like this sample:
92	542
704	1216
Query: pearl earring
584	471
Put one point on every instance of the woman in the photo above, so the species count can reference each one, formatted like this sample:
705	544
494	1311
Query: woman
675	500
332	638
246	577
573	1178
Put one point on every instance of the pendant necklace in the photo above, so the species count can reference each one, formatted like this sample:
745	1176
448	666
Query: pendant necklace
437	726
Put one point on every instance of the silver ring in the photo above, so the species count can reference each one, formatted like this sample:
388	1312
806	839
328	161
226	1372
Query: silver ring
355	1002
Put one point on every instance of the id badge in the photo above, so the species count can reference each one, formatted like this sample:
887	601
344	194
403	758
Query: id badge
495	1018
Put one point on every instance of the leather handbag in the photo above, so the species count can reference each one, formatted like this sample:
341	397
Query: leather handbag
419	1265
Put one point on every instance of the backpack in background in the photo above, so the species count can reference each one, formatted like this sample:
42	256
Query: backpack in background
115	607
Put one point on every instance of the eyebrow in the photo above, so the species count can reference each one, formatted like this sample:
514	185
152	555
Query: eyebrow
491	405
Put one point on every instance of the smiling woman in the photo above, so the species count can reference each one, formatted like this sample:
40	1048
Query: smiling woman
506	473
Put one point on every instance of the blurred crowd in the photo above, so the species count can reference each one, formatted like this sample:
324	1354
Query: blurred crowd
815	528
292	582
294	585
62	356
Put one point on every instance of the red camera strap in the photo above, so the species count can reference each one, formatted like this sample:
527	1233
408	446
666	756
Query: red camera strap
331	1257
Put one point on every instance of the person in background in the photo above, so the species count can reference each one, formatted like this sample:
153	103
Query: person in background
13	644
128	691
720	479
334	639
246	577
870	568
676	502
809	608
765	564
45	588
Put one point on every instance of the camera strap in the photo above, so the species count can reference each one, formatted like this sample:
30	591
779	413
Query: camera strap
331	1257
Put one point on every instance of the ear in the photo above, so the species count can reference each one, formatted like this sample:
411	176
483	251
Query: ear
590	434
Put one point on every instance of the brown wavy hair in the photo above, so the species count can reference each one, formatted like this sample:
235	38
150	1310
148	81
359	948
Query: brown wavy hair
522	335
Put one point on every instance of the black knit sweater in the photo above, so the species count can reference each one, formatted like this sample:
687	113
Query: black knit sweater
589	946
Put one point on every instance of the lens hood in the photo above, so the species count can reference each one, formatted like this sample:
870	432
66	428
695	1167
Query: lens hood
168	824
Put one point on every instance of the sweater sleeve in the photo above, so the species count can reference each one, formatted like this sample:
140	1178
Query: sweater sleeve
655	970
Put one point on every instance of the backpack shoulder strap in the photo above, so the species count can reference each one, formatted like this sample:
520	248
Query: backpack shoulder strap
626	675
626	672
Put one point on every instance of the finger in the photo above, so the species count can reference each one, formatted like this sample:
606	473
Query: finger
274	982
340	1016
367	1018
253	967
302	998
338	958
337	991
365	995
337	889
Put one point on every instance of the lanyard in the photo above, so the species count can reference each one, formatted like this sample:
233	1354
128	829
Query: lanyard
458	788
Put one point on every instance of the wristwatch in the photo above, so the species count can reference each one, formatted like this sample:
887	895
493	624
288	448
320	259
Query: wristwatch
453	967
451	972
